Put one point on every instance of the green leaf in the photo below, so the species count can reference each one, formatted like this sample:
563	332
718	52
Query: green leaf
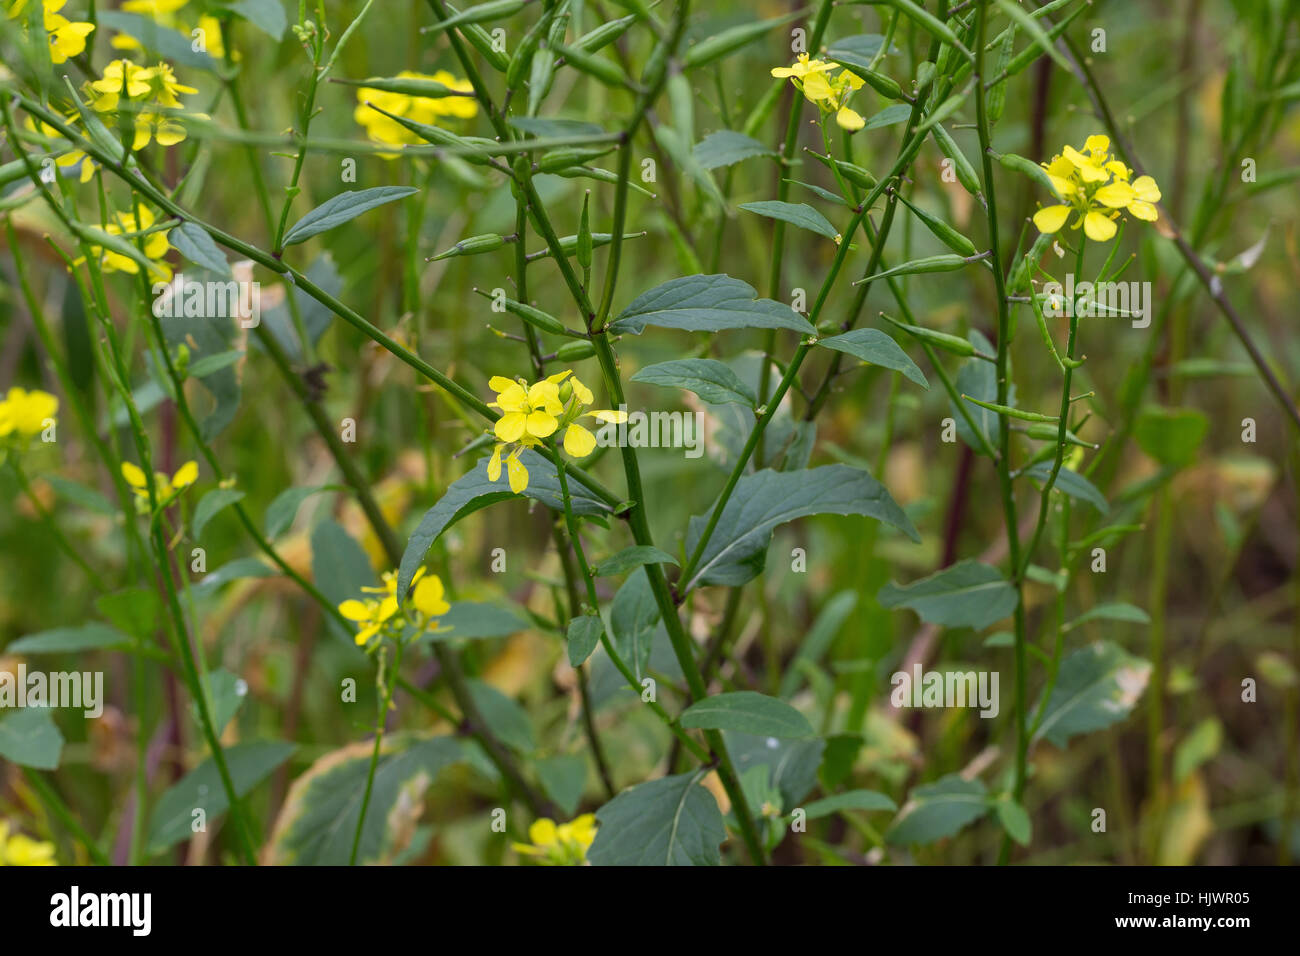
726	148
339	567
66	640
708	378
850	800
234	571
720	44
978	379
563	777
210	504
171	44
1015	820
898	113
937	810
1198	747
504	717
707	303
284	507
633	621
1096	686
672	821
1069	483
201	789
966	594
342	208
819	637
1117	611
796	214
29	736
629	558
87	497
480	13
474	491
677	146
792	762
583	636
1171	435
318	822
737	550
749	713
135	612
877	348
214	363
267	15
473	619
1035	31
193	242
226	694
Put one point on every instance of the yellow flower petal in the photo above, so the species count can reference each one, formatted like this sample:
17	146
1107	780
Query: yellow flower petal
579	442
543	832
354	610
1114	195
494	464
849	120
134	476
518	475
1050	219
1143	210
541	424
186	475
510	426
1098	226
1146	189
428	597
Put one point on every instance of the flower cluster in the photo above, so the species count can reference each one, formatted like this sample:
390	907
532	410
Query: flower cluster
563	844
166	488
418	109
156	244
151	95
70	156
385	613
830	93
532	413
67	37
19	850
24	414
1097	187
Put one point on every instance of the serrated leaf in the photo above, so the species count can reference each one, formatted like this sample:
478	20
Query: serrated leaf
966	594
474	491
201	789
707	303
796	214
634	620
726	148
877	348
672	821
736	552
342	208
318	821
851	800
937	810
66	640
1096	686
747	712
582	637
708	378
210	504
29	736
633	557
792	762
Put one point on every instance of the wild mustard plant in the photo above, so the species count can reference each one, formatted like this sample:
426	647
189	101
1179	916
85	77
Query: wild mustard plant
690	662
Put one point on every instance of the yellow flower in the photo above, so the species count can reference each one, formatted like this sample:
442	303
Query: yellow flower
25	413
19	850
70	158
156	244
830	93
375	614
152	92
1097	188
118	76
163	83
67	37
563	844
153	8
419	109
166	488
535	412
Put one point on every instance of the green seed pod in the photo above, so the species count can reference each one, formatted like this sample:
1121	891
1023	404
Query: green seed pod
942	340
472	246
522	60
882	84
573	351
853	173
945	233
567	156
604	34
961	165
1029	168
536	317
599	67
